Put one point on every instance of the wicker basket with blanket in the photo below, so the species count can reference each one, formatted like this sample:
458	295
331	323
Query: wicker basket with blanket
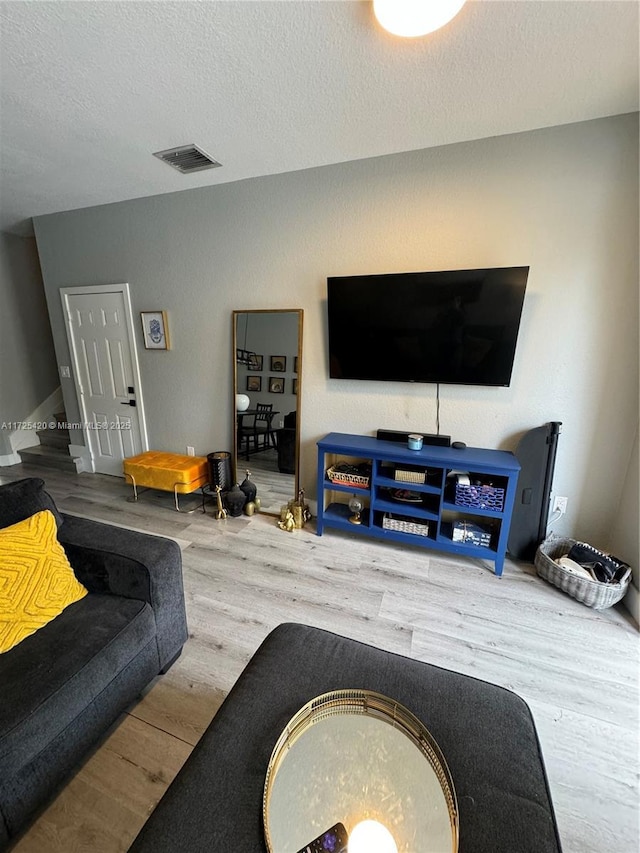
592	593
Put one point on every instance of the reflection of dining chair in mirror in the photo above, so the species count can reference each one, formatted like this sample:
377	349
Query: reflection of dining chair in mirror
254	430
262	428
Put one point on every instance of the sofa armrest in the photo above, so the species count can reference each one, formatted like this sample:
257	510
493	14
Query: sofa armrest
123	562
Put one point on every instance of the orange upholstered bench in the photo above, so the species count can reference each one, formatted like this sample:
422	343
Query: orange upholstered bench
168	472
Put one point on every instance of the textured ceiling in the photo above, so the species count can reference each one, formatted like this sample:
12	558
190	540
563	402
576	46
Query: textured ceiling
90	89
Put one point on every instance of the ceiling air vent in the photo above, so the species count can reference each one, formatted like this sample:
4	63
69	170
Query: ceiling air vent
187	158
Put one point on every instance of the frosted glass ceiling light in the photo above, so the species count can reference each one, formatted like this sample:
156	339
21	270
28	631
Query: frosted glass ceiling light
412	18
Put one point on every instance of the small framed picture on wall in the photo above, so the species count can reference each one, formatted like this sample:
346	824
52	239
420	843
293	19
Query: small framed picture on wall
276	385
295	364
155	329
255	362
294	386
254	383
278	363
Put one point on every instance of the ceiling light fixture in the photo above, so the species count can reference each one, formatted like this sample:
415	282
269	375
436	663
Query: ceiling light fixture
247	356
370	836
411	18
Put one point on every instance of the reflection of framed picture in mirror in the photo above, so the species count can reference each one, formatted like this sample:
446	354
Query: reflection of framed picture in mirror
278	363
276	385
255	363
295	365
294	386
254	383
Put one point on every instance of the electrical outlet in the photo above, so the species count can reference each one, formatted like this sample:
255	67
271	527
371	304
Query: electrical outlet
560	504
190	451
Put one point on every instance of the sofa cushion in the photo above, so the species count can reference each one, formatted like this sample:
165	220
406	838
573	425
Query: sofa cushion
53	675
36	579
134	565
23	499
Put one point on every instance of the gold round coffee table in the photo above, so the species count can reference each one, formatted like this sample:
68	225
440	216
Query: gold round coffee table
351	756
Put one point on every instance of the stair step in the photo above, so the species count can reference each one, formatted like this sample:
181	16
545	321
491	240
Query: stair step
54	437
51	457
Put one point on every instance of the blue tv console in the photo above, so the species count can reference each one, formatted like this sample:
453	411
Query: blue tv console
434	515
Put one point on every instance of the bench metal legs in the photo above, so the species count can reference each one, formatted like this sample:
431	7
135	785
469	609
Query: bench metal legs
134	497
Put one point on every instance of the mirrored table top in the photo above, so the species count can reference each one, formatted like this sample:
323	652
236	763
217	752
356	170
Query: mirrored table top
353	755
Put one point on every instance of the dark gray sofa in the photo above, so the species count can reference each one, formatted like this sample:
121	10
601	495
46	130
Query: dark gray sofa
65	685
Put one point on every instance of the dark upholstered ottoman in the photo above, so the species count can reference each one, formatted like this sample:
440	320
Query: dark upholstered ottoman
485	732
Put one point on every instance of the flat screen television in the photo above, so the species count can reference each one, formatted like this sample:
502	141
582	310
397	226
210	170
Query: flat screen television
452	327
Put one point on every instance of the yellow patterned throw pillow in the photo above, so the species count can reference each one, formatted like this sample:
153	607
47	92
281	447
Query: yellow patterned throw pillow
36	579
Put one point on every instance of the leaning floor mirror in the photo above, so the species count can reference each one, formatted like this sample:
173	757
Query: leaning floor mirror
267	383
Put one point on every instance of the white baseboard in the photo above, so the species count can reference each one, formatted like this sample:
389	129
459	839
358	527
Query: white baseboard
82	458
632	602
9	459
22	438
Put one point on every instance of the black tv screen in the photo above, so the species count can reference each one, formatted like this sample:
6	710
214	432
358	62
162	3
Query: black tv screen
454	327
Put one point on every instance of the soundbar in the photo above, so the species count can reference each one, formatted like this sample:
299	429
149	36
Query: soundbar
428	438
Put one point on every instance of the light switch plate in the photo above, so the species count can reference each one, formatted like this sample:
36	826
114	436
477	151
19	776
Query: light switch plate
65	371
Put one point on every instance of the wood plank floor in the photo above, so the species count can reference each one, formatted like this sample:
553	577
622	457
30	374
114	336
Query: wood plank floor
578	669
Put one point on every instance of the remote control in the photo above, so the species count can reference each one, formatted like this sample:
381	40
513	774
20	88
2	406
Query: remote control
334	840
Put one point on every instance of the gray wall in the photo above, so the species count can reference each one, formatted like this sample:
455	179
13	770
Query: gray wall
625	536
563	200
28	372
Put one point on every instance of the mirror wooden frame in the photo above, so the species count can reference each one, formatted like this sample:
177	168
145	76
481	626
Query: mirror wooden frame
234	336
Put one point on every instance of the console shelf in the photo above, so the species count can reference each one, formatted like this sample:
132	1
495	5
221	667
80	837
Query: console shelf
428	520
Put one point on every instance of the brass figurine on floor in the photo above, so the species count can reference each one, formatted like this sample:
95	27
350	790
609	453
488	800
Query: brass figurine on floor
288	522
299	509
221	511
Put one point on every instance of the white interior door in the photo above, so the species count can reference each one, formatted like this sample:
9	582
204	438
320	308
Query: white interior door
101	339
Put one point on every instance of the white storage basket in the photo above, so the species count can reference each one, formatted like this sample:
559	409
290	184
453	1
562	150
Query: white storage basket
590	592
